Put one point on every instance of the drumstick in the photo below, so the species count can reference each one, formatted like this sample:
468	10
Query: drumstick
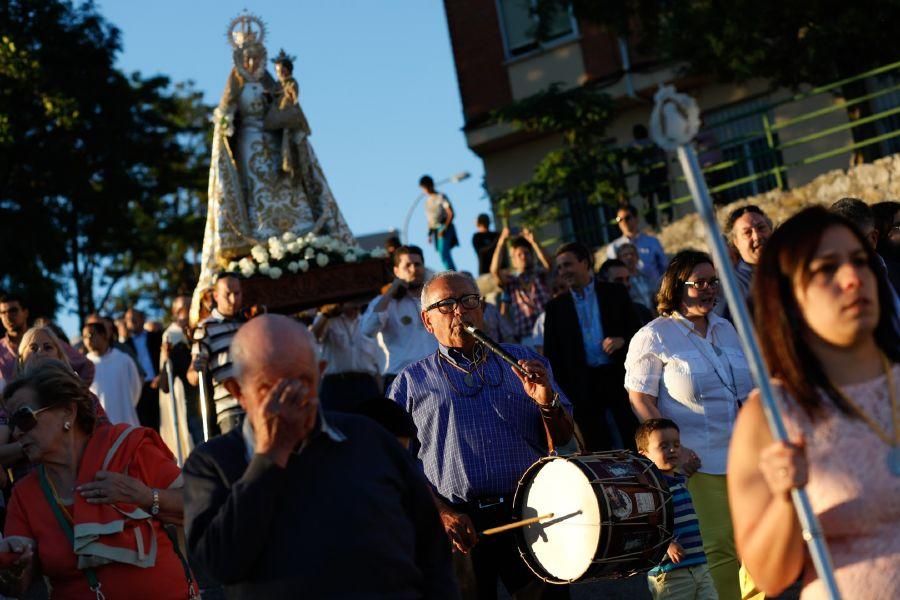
517	524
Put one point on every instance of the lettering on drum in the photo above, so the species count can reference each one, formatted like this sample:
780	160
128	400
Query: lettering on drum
645	502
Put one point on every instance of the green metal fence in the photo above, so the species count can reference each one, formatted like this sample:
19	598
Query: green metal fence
753	160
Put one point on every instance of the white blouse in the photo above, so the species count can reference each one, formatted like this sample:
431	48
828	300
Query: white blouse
698	382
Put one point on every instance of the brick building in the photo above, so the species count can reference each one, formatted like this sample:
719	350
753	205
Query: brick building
498	61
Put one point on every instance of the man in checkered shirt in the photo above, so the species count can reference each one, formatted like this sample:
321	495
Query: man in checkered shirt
480	425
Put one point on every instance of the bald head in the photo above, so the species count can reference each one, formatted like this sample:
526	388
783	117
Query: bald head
274	346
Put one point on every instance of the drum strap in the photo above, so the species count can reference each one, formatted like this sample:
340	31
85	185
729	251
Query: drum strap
551	450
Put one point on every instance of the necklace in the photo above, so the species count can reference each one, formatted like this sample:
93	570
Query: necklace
478	359
892	441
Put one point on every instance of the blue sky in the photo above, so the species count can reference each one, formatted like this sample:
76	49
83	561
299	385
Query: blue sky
377	83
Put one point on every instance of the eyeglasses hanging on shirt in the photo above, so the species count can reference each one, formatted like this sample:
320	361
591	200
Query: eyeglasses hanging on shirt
732	387
475	377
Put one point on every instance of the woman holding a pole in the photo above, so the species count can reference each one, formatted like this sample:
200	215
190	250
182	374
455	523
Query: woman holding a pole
823	315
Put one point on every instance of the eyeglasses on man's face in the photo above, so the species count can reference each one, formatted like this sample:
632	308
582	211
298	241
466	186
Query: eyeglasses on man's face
622	218
704	284
448	305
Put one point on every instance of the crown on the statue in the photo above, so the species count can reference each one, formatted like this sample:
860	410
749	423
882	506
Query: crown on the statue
284	57
246	30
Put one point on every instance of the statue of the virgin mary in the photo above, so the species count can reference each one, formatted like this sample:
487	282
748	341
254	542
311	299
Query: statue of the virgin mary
264	177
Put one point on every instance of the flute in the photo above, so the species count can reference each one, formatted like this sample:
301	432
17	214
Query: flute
497	349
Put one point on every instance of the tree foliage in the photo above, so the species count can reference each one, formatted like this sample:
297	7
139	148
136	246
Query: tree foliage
790	42
587	165
101	170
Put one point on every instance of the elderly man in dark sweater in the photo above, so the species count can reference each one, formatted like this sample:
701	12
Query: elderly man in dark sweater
299	502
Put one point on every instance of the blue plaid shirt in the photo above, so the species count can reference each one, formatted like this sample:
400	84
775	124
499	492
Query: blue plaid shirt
474	441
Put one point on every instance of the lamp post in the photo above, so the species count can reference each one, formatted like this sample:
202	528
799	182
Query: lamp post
412	209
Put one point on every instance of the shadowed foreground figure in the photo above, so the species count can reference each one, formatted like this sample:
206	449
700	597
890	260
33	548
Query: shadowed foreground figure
297	502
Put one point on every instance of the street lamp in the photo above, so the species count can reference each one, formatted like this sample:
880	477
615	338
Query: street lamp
412	209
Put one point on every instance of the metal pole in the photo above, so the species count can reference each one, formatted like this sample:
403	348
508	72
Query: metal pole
812	531
204	403
175	426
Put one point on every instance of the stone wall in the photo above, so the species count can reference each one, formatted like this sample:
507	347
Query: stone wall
873	182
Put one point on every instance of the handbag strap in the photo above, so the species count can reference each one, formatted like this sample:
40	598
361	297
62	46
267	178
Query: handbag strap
89	573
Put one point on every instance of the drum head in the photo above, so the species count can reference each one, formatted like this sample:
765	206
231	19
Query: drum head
565	545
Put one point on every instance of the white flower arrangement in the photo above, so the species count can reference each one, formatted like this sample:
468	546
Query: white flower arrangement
298	254
225	121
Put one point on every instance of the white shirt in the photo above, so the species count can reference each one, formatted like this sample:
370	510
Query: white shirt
345	349
117	384
695	386
399	331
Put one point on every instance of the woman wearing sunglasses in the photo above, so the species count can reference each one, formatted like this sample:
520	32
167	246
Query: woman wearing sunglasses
103	490
824	310
688	366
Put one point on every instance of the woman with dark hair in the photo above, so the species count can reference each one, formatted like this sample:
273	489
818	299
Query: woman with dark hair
90	516
688	366
824	313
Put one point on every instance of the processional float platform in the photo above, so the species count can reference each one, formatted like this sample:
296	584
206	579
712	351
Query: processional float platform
295	292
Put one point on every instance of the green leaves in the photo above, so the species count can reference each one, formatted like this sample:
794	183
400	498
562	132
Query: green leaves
102	171
587	165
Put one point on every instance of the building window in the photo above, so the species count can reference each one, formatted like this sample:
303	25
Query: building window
519	25
736	134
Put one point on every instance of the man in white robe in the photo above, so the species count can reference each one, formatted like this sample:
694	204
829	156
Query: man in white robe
117	382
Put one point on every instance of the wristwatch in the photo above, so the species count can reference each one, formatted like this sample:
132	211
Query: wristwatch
555	403
154	508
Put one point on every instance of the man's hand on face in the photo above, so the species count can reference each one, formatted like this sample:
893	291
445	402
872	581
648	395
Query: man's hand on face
283	420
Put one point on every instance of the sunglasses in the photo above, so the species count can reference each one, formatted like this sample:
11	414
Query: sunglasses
623	218
448	305
703	284
25	418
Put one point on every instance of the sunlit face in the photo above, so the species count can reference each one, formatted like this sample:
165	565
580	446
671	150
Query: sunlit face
411	269
628	223
750	233
13	316
696	302
840	302
40	345
95	340
522	258
252	60
48	434
576	273
134	321
448	329
664	448
228	296
620	275
629	256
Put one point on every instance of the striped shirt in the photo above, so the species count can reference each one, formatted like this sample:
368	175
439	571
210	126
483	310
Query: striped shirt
212	339
475	438
687	528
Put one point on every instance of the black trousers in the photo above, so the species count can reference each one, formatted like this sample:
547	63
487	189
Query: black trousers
148	407
497	557
605	391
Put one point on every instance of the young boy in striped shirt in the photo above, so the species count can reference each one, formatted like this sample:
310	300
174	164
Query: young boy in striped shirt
683	573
